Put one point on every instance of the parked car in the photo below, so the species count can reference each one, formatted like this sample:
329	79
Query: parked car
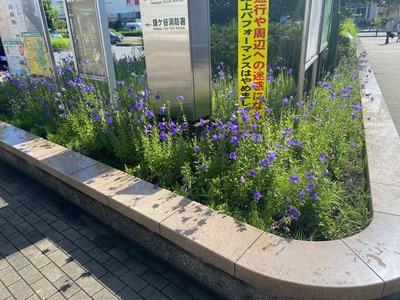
133	26
54	33
115	39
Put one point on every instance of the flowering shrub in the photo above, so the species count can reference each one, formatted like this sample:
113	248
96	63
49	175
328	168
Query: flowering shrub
305	181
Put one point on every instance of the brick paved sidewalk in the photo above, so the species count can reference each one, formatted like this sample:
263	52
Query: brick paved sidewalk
50	249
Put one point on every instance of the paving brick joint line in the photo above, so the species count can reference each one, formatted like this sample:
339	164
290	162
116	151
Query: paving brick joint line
51	249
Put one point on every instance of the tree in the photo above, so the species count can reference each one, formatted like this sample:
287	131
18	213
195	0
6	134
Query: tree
222	11
51	13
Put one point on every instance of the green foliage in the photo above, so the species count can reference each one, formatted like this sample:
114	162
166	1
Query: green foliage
347	40
64	32
306	182
224	45
116	25
51	13
132	33
60	43
284	45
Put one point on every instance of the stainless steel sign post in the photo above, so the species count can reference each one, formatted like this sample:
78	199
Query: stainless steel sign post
176	36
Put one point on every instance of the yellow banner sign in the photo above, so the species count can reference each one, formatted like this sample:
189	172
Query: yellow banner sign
252	54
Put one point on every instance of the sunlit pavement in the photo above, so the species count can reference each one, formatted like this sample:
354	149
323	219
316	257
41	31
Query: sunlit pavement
385	63
50	249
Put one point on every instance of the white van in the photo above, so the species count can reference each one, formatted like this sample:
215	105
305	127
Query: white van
133	26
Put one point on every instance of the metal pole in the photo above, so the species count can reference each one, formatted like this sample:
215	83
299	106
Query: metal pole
334	36
302	67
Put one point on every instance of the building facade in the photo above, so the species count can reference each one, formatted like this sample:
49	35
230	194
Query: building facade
122	10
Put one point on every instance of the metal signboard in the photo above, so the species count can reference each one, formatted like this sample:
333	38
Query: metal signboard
252	54
314	32
90	41
176	36
25	37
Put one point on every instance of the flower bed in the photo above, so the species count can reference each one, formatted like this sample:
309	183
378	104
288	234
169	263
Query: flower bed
306	182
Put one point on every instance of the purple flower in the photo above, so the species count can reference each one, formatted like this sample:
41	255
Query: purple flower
183	126
139	105
96	116
172	128
233	127
245	118
314	196
322	157
294	178
242	179
272	156
109	120
180	98
286	132
264	162
354	116
301	194
328	86
162	109
256	137
357	107
202	122
149	114
285	101
155	186
352	145
234	140
202	166
252	172
196	149
232	155
161	126
310	176
295	213
163	137
257	116
257	196
291	141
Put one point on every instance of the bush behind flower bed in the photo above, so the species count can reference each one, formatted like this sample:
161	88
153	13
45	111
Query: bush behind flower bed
306	182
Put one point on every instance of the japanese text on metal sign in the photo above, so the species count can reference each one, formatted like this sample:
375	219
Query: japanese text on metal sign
252	54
